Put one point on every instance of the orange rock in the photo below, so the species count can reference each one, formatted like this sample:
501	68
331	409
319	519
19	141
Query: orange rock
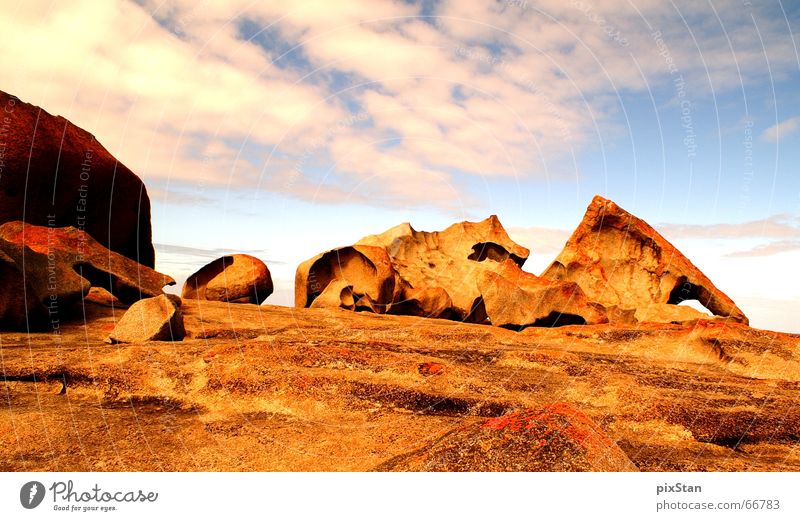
619	260
157	318
353	277
468	272
452	259
234	278
515	299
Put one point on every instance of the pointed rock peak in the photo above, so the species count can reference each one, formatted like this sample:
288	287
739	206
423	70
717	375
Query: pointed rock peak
620	260
389	236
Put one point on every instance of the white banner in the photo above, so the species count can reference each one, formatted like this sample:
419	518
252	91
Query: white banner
377	496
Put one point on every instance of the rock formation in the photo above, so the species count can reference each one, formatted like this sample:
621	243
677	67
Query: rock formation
619	261
556	438
514	298
157	318
234	278
452	260
45	270
56	174
469	272
358	277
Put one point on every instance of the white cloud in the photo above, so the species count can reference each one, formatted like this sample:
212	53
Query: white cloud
150	97
782	129
180	94
768	249
481	89
774	227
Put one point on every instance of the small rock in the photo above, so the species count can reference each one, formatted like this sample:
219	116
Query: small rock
102	297
430	368
157	318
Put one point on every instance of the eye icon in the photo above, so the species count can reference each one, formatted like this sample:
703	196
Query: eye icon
31	494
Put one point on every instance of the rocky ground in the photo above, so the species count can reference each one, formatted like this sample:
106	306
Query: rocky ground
273	388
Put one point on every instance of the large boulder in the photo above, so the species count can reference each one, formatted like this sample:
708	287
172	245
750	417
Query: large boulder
515	299
453	259
555	438
44	271
53	173
150	319
234	278
620	261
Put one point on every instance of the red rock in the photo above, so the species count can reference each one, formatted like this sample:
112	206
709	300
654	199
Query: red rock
620	261
56	174
430	368
57	267
555	438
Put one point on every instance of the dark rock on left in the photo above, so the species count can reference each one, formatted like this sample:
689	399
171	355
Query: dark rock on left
57	174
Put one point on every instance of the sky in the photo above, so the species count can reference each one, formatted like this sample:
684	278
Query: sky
284	129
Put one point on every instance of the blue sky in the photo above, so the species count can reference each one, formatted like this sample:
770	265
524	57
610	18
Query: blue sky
285	129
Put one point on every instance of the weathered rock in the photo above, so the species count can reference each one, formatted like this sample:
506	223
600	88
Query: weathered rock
46	270
234	278
669	313
619	260
102	297
366	270
452	259
515	299
424	302
337	294
556	438
157	318
56	174
468	272
19	304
